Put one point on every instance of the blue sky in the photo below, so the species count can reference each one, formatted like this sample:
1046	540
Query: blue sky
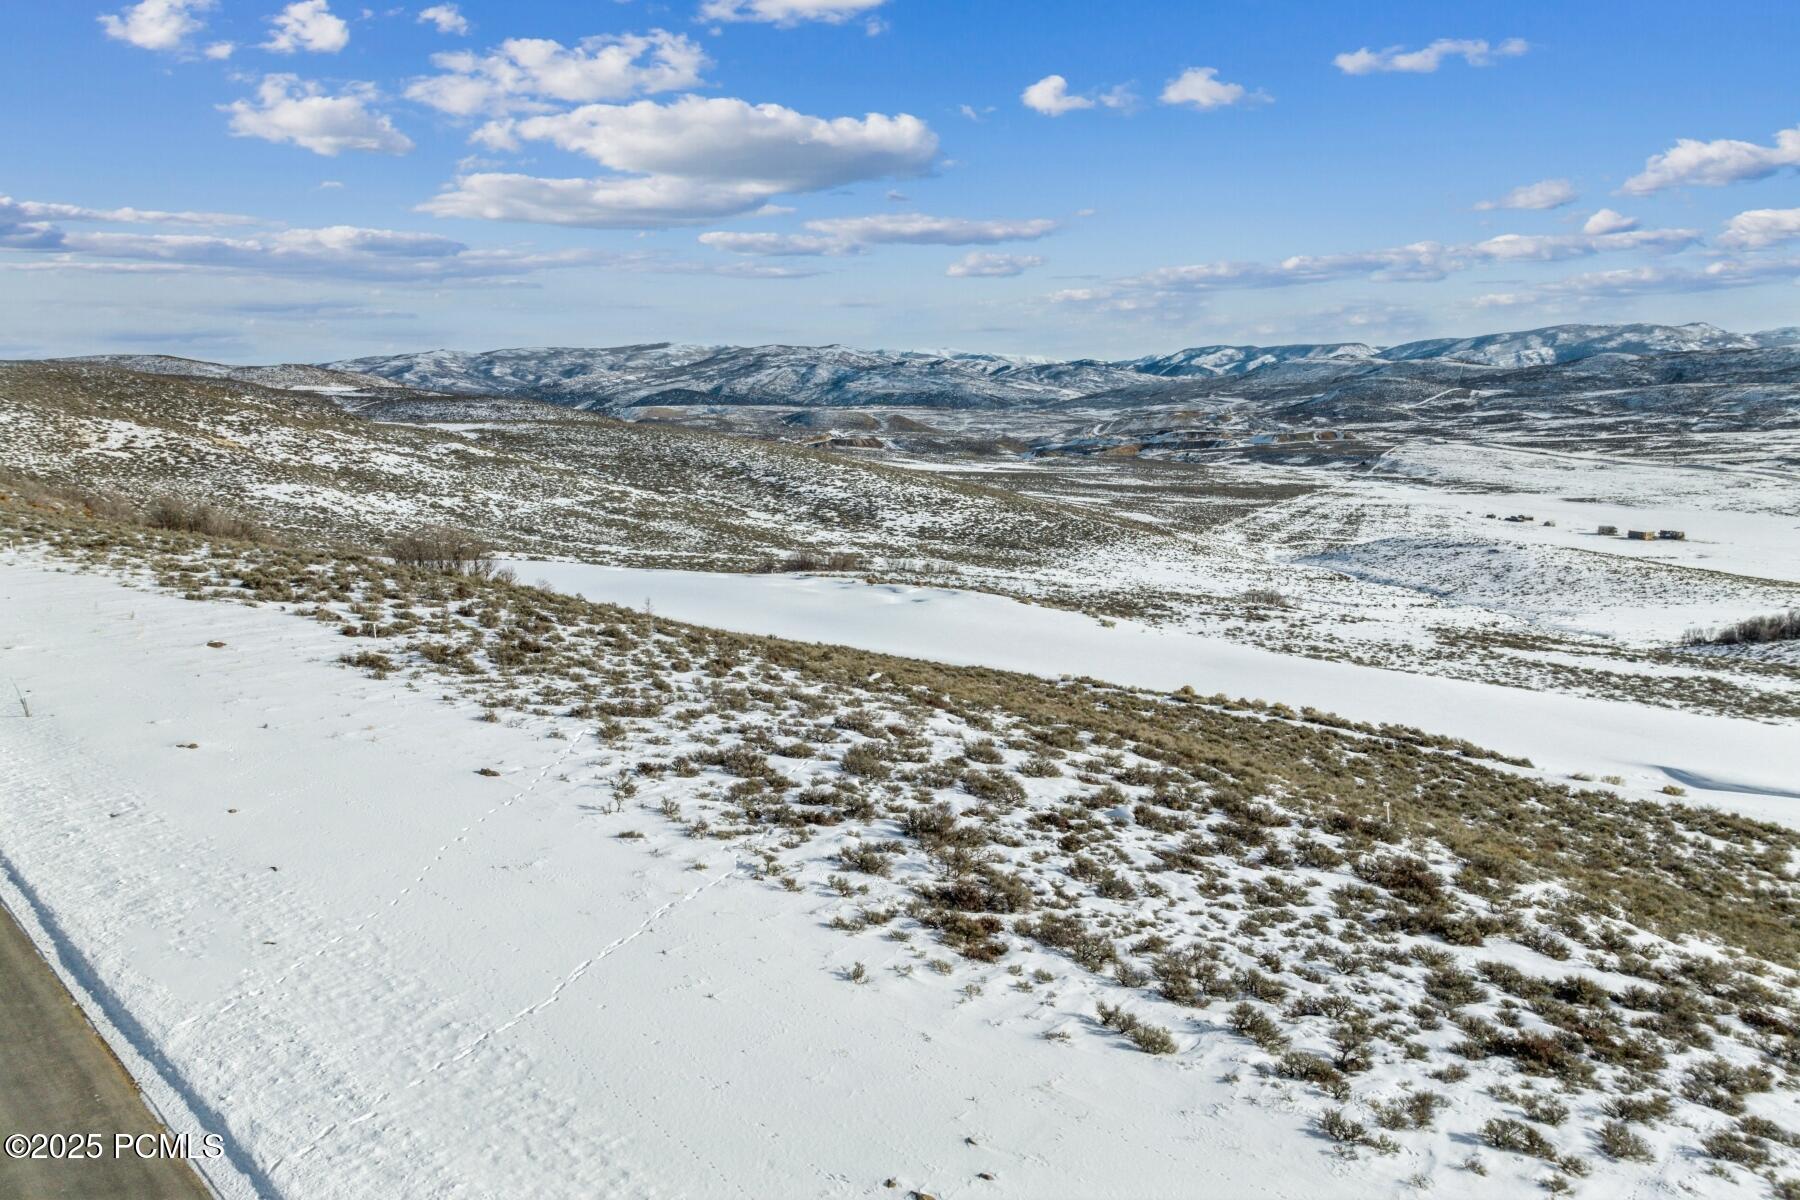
258	179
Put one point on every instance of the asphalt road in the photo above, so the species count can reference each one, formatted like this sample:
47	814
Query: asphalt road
58	1077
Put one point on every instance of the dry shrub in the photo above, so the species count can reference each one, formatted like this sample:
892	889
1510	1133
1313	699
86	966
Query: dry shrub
445	550
188	516
809	560
1780	627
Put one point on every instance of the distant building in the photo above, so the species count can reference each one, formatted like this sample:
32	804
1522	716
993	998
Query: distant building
1671	535
1641	535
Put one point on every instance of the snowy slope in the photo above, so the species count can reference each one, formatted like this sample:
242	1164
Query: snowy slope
377	973
1242	360
1566	343
286	376
1751	768
664	373
385	946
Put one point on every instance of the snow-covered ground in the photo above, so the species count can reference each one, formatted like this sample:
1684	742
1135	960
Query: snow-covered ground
1744	765
321	934
309	924
1740	520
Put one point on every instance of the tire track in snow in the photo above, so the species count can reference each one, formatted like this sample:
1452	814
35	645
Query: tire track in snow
438	856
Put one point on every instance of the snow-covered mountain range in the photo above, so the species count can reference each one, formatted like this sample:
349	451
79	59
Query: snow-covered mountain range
1558	359
839	376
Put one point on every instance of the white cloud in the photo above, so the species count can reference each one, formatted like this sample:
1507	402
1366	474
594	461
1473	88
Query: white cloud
1713	164
729	140
918	229
447	18
1506	300
1476	52
978	264
156	24
219	51
340	250
1642	281
851	235
1519	247
1544	194
1120	97
788	12
1608	221
307	25
1201	88
523	72
693	159
288	109
13	211
646	202
1050	96
337	251
1761	227
1415	262
776	245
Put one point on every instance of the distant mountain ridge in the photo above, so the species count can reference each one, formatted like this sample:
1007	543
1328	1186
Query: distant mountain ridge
1536	361
664	373
288	376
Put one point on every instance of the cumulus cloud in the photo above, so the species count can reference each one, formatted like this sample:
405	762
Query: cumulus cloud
788	12
1201	88
1608	221
1761	227
289	109
694	159
307	25
979	264
851	235
447	17
1415	262
730	140
1474	51
1544	194
1691	163
1050	96
523	73
156	24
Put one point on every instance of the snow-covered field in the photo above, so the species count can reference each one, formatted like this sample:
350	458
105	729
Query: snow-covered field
306	922
1738	520
1749	767
288	896
378	973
